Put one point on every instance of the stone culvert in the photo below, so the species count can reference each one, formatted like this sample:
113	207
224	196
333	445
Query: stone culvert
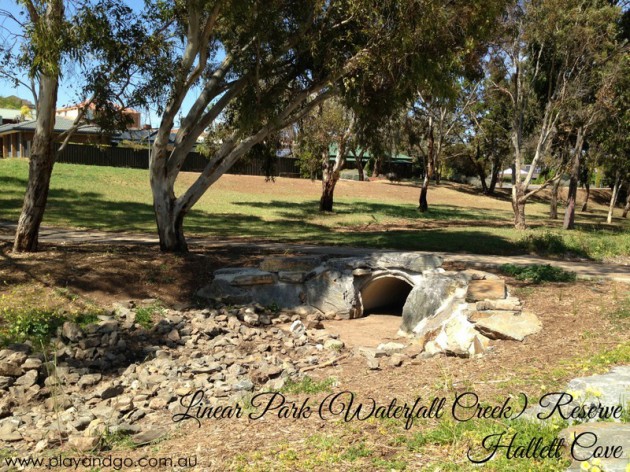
412	284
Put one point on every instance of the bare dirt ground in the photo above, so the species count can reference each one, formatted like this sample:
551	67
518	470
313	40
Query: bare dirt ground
369	331
581	336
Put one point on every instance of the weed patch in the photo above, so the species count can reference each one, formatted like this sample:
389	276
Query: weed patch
537	273
144	315
29	324
308	385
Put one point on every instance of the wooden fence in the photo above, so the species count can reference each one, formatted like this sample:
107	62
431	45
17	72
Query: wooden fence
113	156
195	162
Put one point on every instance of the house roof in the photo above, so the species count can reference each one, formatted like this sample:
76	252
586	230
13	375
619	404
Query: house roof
61	125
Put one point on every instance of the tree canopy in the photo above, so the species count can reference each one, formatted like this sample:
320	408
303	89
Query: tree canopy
262	65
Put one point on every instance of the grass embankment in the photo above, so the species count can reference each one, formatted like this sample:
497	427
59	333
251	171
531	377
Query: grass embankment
370	214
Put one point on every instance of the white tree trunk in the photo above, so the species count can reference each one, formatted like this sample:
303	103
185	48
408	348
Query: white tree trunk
613	198
43	151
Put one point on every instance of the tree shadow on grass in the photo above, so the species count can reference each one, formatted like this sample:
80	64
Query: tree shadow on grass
305	209
475	242
456	229
10	180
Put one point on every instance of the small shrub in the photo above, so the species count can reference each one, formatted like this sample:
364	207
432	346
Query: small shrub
544	243
273	307
538	273
85	319
144	315
23	324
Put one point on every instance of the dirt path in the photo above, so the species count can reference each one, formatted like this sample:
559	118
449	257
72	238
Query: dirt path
584	270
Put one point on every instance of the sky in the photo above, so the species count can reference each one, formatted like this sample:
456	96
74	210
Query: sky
66	95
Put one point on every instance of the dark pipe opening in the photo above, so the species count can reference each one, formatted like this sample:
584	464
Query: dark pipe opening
385	296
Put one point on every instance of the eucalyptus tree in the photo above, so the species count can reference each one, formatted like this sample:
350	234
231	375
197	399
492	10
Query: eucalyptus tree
436	123
489	122
264	64
96	37
611	141
329	126
553	52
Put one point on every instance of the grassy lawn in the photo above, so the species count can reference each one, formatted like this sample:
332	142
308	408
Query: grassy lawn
375	214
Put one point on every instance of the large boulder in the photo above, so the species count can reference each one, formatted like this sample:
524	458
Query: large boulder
332	291
486	289
509	325
457	336
435	292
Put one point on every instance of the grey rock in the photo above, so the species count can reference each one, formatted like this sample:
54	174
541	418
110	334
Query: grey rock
390	347
506	325
331	291
173	335
221	289
396	360
82	422
485	289
32	363
125	428
281	294
58	402
608	390
107	326
613	387
410	261
10	370
251	318
9	432
457	336
104	412
149	436
28	379
89	380
71	331
111	391
297	328
371	353
245	277
433	291
83	443
611	435
510	303
6	382
244	384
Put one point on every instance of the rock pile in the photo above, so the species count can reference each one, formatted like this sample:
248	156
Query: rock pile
115	376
